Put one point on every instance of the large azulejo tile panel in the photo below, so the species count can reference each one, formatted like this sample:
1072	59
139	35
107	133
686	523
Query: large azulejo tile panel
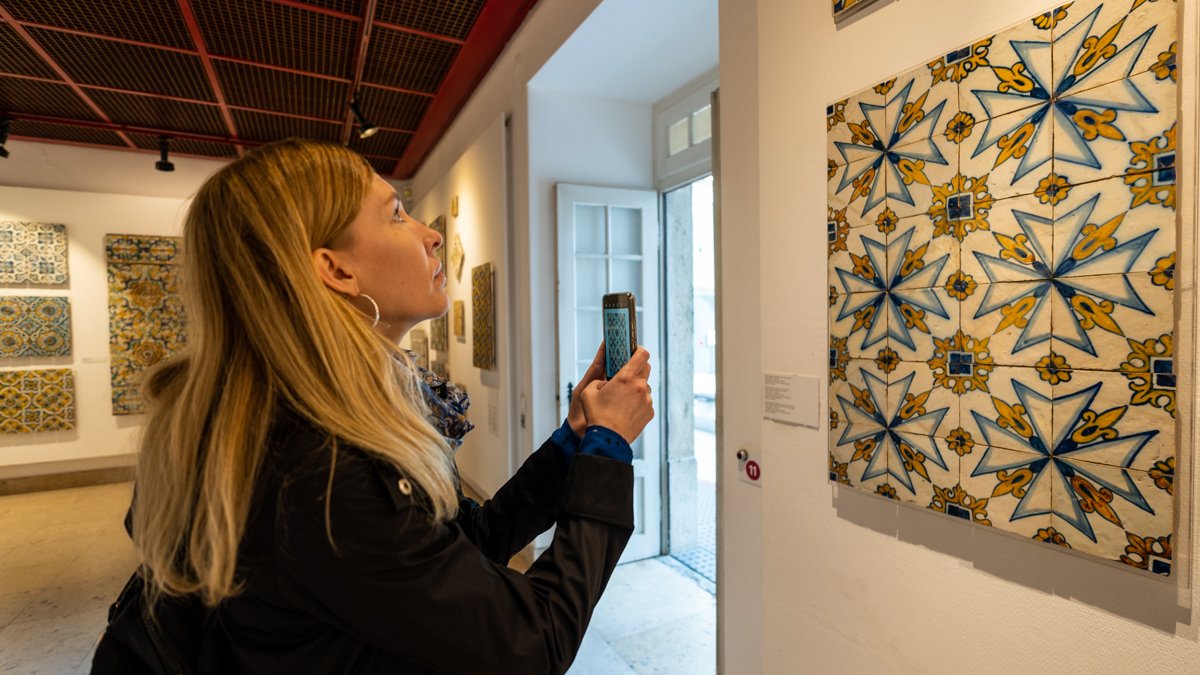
34	326
33	253
1002	236
146	319
37	400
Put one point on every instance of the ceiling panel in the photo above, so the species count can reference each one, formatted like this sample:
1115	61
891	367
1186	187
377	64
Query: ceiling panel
386	143
103	62
278	35
265	127
354	7
279	91
408	61
186	146
160	113
16	56
62	132
452	18
42	98
154	21
391	109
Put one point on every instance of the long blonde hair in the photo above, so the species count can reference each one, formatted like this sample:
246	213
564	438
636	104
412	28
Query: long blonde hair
264	330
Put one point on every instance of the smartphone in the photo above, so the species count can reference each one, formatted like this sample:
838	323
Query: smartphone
620	330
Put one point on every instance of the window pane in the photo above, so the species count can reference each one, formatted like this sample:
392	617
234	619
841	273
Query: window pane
587	332
639	452
702	125
677	137
627	276
626	228
589	228
589	282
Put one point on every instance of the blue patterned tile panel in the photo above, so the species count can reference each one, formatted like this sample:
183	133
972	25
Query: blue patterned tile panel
33	253
1001	236
34	326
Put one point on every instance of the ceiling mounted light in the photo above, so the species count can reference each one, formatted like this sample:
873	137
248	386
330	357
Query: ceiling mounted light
365	128
5	126
164	146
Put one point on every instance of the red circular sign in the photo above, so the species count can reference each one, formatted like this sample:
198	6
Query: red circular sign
752	470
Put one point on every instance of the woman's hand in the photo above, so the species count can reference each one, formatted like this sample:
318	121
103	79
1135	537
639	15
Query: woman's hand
623	403
575	416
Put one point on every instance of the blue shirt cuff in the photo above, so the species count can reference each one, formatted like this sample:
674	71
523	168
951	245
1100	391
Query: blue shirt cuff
565	440
605	442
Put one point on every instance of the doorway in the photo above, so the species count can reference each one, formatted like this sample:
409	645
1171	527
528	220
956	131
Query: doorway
691	374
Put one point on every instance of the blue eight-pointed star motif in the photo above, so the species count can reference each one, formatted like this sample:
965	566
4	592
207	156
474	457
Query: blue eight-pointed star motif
885	426
1077	270
893	291
883	155
1055	458
1058	94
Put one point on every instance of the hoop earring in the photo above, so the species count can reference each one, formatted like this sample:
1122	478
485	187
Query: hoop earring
374	305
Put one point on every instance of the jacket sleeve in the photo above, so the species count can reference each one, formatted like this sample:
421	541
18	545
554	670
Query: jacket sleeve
424	594
522	508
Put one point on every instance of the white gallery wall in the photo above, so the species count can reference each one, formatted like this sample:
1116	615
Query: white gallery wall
477	182
852	583
99	439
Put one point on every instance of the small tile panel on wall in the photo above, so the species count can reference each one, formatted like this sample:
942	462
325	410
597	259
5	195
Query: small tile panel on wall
33	254
32	401
483	316
145	312
34	327
1002	226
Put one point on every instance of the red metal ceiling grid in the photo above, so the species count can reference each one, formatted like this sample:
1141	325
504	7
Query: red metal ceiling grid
153	21
152	111
451	18
282	92
146	69
16	56
408	61
278	35
221	74
186	146
30	130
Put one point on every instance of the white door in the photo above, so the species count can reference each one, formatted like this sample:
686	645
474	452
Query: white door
608	242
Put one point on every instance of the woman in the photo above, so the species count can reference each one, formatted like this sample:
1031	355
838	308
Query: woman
296	509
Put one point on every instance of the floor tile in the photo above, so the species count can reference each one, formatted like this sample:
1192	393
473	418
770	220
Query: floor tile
687	645
644	595
597	657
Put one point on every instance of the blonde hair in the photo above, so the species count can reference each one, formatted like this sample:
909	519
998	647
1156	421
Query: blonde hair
263	330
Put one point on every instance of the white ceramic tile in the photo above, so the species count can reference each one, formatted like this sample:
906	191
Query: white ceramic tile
1018	494
1016	245
1013	319
1111	418
1103	41
1014	412
1094	327
1097	230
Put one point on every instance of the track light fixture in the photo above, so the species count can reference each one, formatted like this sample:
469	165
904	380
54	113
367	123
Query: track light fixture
5	126
365	128
164	146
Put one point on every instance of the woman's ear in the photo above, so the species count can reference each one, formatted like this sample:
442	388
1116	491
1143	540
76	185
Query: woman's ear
333	271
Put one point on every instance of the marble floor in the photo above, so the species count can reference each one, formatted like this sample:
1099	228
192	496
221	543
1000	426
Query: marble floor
64	556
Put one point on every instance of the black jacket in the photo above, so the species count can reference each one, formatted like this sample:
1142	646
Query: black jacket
397	593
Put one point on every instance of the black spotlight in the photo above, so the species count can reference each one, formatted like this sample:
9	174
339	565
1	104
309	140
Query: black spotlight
164	146
5	126
365	128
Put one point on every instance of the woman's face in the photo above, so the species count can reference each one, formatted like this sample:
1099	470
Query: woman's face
391	257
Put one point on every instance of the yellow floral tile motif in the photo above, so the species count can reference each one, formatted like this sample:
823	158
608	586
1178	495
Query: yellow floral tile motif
146	319
32	326
33	253
460	320
1022	188
483	316
37	400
